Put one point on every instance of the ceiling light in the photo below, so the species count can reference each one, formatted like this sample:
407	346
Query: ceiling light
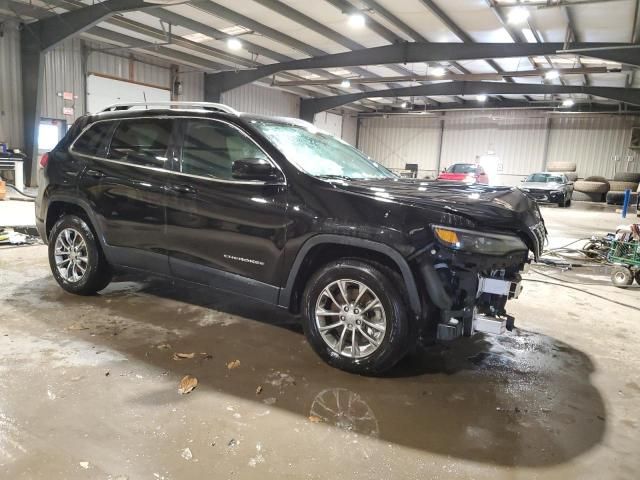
345	83
552	75
518	15
405	104
481	98
437	71
568	103
234	44
356	20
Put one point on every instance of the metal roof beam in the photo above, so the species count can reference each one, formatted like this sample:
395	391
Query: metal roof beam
414	52
310	107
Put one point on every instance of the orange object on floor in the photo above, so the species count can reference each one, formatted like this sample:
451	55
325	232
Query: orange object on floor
3	190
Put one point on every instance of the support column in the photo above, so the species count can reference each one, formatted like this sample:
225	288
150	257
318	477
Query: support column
32	66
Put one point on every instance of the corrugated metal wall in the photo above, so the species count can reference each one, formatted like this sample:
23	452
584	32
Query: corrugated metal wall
329	122
192	86
63	73
517	139
397	141
262	101
350	129
598	144
10	86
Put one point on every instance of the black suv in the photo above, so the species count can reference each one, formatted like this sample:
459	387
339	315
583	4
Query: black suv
273	209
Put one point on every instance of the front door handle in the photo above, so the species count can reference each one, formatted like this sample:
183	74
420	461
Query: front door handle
95	173
183	189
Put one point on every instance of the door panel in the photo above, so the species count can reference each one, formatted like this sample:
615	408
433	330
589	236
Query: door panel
216	224
127	190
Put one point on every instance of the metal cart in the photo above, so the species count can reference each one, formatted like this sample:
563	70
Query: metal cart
625	257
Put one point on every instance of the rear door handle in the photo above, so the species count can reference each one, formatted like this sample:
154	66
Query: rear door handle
95	173
183	189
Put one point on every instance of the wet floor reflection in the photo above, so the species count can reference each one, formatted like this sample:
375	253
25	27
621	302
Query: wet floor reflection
520	399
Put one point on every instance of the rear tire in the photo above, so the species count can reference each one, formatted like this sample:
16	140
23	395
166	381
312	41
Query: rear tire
76	258
637	276
621	277
387	324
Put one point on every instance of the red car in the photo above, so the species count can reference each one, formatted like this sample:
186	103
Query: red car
464	172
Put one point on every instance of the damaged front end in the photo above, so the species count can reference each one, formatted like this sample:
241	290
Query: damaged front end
470	275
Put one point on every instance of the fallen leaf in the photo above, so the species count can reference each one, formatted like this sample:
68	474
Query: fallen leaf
259	390
180	356
187	384
314	419
233	364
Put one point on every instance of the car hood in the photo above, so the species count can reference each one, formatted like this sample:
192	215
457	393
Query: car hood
540	185
504	208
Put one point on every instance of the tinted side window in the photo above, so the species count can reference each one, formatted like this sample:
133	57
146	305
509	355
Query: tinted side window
142	142
210	148
95	140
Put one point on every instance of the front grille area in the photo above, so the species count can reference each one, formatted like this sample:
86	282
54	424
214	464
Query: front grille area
538	235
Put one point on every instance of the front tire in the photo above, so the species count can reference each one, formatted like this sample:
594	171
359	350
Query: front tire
75	257
355	318
621	277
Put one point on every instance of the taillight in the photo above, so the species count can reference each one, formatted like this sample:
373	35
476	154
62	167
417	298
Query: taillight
44	160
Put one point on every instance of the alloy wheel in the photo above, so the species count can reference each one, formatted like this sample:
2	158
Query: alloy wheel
350	318
71	256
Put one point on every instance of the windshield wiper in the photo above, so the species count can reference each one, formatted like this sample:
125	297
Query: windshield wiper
334	177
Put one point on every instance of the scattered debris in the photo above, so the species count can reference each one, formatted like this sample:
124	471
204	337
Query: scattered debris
259	390
163	346
314	419
181	356
280	380
233	443
51	395
186	454
213	444
84	465
187	384
107	373
269	401
77	326
259	458
233	364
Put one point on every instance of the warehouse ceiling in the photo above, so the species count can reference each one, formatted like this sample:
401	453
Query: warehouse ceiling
230	35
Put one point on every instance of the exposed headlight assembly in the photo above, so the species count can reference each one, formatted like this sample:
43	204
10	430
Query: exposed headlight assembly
478	242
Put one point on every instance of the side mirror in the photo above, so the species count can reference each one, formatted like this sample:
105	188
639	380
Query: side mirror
254	169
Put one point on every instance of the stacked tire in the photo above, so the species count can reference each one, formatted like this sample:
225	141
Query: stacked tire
623	181
568	168
591	189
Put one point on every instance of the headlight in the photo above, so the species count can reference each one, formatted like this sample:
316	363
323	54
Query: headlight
478	242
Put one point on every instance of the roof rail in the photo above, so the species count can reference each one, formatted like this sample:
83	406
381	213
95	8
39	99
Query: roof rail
219	107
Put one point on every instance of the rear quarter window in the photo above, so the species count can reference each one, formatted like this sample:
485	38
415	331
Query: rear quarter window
95	140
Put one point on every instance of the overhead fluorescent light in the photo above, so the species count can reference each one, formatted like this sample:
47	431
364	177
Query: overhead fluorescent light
568	103
518	15
234	44
481	98
235	30
405	104
197	37
357	20
552	75
345	83
437	71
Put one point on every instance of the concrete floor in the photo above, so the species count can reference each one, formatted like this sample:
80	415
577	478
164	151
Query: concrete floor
89	388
